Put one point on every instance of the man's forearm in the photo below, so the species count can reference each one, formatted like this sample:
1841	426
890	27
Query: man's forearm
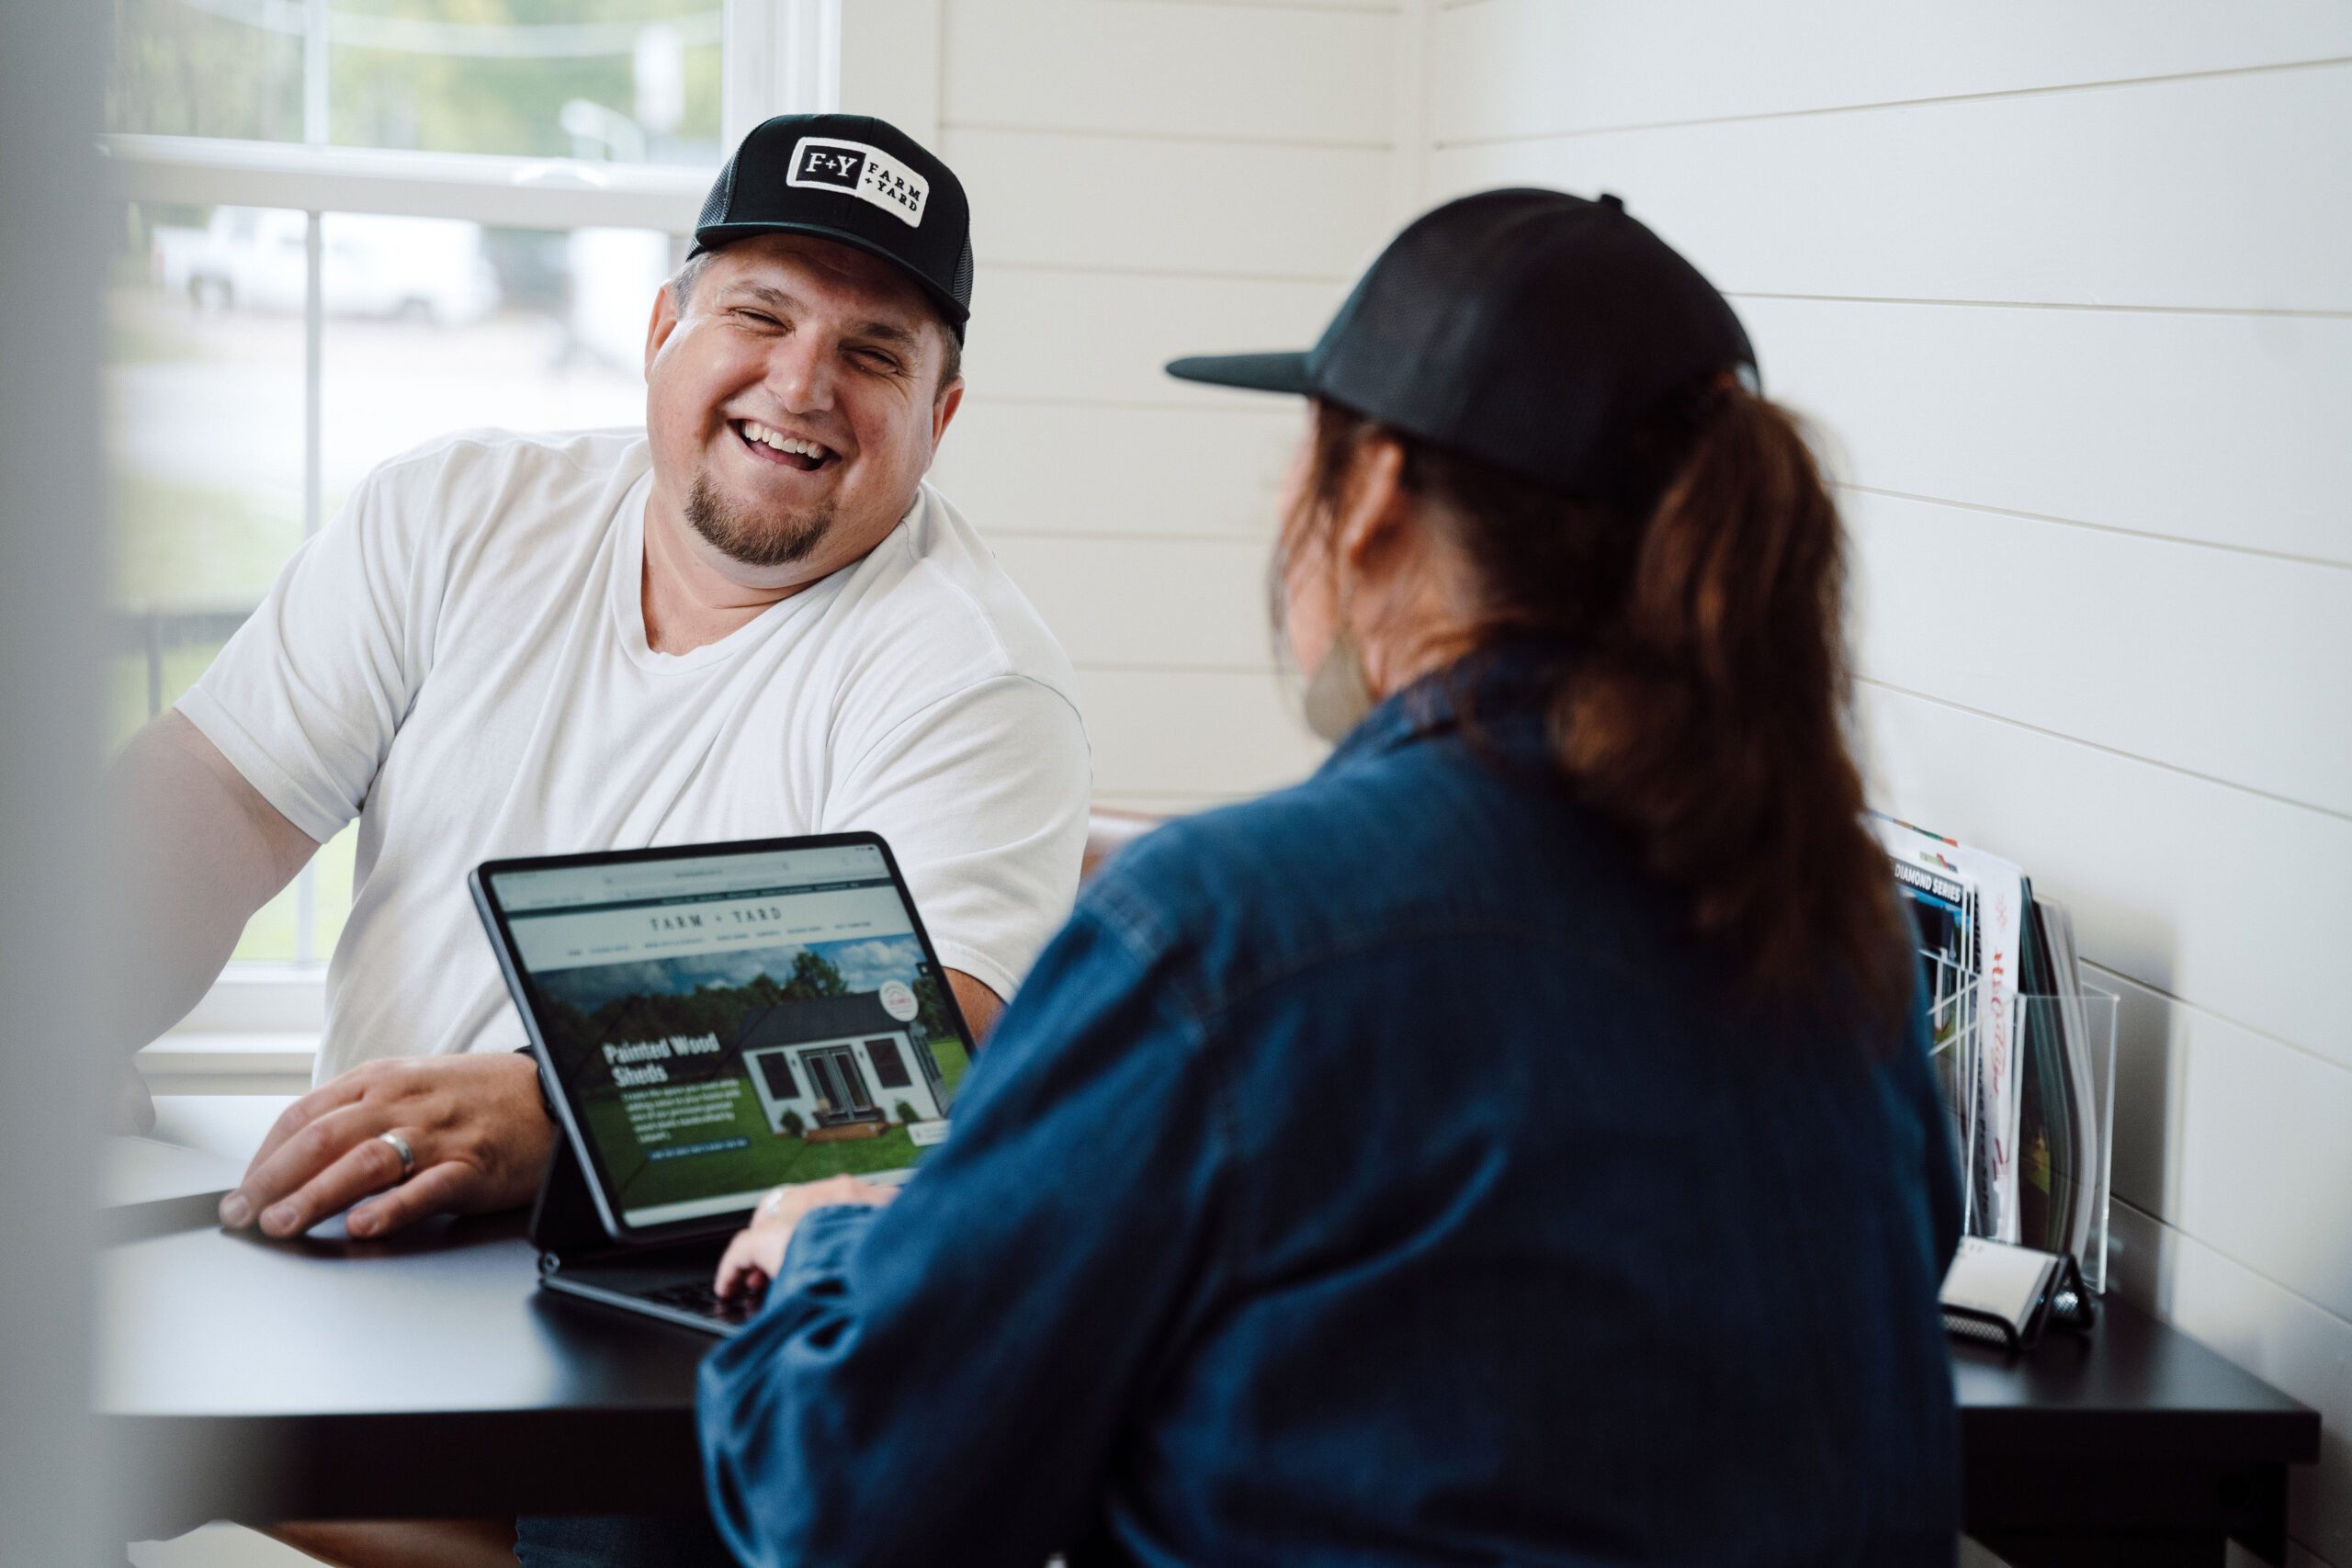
979	1005
198	851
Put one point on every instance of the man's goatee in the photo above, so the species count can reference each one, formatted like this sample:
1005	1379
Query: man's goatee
751	541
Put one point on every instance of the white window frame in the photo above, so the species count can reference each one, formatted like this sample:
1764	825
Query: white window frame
258	1030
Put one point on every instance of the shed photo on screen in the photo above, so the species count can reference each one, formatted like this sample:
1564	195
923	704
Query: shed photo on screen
721	1038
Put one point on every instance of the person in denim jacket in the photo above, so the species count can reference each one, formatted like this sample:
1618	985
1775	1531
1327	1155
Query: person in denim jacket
1515	1143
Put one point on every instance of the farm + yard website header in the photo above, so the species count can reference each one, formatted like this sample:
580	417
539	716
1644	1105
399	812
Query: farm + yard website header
614	914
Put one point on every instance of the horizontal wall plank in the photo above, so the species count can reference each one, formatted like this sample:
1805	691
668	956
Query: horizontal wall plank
2261	1120
2226	899
890	64
2230	429
1164	67
1528	67
1073	200
2213	1121
2151	1090
1179	604
1056	469
2227	193
1102	337
2143	645
2271	1332
1187	734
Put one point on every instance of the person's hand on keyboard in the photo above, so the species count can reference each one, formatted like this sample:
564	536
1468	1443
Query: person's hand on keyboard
701	1298
757	1252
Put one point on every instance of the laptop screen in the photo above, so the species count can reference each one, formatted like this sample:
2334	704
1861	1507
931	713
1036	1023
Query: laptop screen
723	1022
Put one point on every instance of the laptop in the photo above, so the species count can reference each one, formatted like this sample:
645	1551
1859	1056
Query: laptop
712	1020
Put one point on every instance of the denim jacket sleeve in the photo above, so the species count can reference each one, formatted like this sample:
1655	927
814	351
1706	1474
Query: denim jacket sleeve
943	1380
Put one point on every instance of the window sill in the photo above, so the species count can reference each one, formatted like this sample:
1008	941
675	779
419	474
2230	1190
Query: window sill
256	1031
224	1063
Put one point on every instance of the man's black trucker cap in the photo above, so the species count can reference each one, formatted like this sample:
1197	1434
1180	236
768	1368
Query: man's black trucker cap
1531	329
854	179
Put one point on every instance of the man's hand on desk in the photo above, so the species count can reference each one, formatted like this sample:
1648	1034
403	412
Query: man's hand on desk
757	1252
473	1123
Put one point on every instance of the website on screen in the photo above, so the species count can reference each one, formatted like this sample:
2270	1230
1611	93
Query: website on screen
728	1023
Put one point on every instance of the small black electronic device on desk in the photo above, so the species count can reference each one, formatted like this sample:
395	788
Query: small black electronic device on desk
713	1021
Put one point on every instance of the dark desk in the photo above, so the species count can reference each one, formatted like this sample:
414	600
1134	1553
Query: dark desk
2134	1445
419	1376
258	1381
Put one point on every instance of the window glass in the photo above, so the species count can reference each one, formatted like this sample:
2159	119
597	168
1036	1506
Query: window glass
889	1068
635	81
205	441
429	325
184	69
205	414
451	326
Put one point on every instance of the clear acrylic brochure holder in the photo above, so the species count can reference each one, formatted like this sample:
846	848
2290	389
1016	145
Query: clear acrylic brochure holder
2036	1147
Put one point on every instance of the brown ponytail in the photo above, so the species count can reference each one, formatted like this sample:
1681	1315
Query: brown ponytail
1702	711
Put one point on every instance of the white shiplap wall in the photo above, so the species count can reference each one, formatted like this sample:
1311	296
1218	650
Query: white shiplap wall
1149	178
2070	292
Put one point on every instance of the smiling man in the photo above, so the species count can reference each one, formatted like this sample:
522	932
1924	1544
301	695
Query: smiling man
752	619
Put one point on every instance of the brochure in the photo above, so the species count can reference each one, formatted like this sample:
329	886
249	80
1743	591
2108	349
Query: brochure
1998	929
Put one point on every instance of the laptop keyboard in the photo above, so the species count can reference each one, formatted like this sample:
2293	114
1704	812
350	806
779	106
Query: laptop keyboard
702	1302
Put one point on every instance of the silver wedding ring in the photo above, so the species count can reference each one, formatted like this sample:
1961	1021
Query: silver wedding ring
399	1146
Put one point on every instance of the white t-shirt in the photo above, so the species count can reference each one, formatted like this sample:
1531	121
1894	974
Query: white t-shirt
459	661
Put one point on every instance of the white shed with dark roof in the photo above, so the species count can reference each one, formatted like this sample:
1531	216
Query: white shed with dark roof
841	1065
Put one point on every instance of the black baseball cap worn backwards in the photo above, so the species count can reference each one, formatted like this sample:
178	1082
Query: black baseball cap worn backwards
855	180
1530	329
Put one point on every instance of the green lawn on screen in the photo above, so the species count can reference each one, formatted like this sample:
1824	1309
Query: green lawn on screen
768	1160
949	1053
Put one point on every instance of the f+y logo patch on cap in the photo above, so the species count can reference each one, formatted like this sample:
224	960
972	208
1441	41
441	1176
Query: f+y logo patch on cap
866	173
